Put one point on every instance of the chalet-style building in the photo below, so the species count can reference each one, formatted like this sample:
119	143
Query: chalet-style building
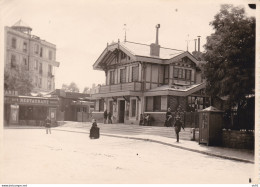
143	79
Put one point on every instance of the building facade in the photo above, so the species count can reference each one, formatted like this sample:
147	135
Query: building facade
35	58
27	52
142	79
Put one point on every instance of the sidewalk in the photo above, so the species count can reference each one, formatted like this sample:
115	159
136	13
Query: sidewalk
242	155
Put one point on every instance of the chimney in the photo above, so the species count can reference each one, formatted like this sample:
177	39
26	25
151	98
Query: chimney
195	44
155	47
198	43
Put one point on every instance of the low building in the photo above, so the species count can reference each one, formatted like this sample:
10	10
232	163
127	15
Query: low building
73	106
142	79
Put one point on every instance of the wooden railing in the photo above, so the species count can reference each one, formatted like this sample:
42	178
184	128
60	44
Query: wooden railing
129	86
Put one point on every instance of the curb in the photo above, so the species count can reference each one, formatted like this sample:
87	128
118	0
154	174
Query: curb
168	144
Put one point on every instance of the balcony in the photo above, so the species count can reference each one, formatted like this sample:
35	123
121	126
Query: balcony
129	86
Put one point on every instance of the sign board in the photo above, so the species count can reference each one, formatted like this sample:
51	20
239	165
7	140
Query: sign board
29	100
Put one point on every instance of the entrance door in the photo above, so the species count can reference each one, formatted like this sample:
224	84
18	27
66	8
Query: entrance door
14	114
53	114
121	111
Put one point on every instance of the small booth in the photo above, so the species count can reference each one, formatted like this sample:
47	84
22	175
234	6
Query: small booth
83	110
210	126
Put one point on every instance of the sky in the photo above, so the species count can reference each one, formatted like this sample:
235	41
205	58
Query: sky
81	29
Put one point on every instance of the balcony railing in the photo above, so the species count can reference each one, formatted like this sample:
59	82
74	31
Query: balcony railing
129	86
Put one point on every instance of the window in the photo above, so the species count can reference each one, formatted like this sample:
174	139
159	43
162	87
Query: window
135	74
133	107
36	49
50	55
50	70
112	77
101	105
25	61
41	51
49	84
14	43
180	74
157	103
13	61
36	65
40	68
122	75
24	47
188	74
153	104
175	72
36	81
40	82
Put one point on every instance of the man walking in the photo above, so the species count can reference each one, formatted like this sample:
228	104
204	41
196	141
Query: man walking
177	126
105	116
48	125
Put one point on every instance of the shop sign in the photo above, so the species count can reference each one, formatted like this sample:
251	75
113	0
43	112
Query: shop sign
33	101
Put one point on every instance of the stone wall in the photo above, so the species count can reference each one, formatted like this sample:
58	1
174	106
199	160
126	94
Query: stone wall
238	139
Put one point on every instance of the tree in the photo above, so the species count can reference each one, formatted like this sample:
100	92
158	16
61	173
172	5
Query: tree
230	55
86	90
18	80
70	88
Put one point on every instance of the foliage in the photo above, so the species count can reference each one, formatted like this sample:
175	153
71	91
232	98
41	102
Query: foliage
230	55
18	80
86	90
70	88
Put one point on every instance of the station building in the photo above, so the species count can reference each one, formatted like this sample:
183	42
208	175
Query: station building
148	79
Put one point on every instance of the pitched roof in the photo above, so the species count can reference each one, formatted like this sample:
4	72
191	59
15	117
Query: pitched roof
139	49
20	23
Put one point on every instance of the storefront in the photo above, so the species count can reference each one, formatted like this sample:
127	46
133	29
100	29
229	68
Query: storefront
26	110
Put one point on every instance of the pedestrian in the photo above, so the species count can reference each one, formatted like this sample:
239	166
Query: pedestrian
48	125
168	120
109	117
94	131
147	120
177	126
105	116
141	119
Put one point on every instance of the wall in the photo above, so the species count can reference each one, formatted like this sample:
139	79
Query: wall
157	118
98	116
238	139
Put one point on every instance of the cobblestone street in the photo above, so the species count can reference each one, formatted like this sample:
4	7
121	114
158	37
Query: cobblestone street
31	156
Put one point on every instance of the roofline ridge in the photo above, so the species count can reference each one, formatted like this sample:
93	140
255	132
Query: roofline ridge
149	45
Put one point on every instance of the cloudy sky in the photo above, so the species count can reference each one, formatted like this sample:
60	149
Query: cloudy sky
81	28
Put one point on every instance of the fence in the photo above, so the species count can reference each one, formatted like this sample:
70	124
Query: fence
245	120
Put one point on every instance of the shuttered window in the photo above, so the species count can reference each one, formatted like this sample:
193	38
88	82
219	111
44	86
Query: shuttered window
122	75
112	77
149	104
157	103
133	107
135	74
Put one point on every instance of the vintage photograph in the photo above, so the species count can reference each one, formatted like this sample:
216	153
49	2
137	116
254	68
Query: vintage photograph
128	92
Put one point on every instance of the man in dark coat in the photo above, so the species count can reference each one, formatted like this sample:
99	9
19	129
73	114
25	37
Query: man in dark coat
177	126
94	131
168	121
48	125
109	117
105	116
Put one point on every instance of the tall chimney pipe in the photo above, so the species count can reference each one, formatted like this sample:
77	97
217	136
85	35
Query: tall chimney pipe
157	34
195	44
198	43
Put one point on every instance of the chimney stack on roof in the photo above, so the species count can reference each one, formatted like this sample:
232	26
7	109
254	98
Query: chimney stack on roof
155	47
195	44
198	43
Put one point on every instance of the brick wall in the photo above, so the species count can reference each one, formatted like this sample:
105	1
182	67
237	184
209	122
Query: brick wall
238	139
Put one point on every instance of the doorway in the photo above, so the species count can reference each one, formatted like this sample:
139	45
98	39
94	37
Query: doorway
121	111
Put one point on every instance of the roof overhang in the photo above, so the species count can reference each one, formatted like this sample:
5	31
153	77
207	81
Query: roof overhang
116	94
